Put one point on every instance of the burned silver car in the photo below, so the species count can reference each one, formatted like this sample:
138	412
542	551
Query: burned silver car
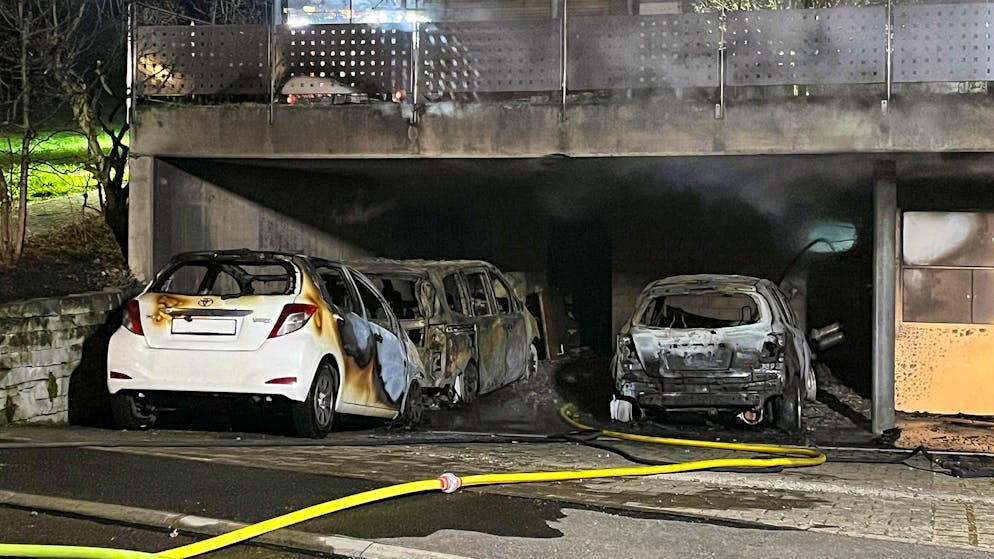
474	333
713	342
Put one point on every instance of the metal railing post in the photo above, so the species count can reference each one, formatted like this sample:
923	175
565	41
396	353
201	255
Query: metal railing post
271	54
415	62
564	66
719	109
131	70
889	65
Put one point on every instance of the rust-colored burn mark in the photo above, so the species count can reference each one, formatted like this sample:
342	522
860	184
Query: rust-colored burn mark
359	384
944	368
163	304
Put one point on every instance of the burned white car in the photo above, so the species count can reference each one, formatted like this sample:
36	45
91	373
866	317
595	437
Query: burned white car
266	326
713	342
474	333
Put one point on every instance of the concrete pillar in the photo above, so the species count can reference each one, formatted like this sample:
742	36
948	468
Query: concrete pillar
885	268
141	216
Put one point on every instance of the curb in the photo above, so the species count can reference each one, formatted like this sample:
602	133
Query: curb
291	539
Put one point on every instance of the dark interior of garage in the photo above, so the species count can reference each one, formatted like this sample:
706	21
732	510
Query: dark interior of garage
600	229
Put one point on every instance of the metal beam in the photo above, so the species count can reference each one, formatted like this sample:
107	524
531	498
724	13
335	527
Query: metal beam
884	293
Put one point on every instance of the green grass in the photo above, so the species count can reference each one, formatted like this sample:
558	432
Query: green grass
57	163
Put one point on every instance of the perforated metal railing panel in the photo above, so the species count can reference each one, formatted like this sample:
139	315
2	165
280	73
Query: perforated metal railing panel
374	59
622	52
202	60
489	56
948	42
832	46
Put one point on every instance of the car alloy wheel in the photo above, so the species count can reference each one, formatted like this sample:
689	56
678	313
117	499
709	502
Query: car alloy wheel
315	416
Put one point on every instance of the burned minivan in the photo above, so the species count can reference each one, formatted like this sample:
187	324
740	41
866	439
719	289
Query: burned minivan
713	342
474	333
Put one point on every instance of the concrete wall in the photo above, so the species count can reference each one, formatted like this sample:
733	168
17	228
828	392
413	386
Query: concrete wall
657	126
191	213
42	348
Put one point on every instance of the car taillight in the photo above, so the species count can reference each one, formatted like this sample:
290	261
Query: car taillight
293	318
131	317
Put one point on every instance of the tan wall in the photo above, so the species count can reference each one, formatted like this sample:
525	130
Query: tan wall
941	367
944	368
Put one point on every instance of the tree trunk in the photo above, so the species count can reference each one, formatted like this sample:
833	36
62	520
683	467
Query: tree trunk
22	181
22	198
6	225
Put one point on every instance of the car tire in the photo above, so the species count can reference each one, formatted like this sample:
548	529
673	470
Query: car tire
413	406
469	387
531	368
129	413
787	408
315	416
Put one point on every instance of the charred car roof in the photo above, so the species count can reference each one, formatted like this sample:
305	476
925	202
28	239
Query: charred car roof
702	282
416	267
236	253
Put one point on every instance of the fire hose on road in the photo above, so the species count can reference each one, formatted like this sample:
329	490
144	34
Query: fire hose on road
777	457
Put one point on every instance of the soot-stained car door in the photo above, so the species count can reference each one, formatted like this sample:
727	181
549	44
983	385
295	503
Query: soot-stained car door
391	378
491	338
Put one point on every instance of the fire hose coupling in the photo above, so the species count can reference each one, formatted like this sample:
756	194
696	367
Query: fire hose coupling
450	482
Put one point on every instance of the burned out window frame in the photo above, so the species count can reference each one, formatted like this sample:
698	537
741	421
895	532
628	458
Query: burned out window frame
488	289
461	293
391	319
351	293
216	266
639	318
511	298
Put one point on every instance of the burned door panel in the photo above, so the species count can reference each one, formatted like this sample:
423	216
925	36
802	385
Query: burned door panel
516	338
490	334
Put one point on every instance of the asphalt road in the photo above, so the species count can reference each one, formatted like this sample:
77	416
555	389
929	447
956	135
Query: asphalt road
31	527
464	523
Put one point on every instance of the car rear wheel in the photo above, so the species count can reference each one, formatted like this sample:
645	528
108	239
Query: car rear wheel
787	408
468	383
413	406
532	367
130	412
315	416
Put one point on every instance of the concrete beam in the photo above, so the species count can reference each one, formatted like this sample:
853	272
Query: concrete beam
640	127
885	266
141	214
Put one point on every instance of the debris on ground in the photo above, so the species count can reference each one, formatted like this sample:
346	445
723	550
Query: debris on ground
75	257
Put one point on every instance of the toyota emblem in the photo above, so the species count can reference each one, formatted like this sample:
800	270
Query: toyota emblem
205	302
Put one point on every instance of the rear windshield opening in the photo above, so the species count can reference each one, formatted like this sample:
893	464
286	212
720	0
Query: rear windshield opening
227	278
400	294
701	310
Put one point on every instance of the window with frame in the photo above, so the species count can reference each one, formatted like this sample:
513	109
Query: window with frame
337	287
947	267
375	310
503	295
453	294
479	300
227	278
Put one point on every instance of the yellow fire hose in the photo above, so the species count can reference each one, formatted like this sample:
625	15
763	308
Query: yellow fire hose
784	456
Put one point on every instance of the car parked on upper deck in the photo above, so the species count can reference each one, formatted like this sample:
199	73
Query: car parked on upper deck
313	332
714	341
474	333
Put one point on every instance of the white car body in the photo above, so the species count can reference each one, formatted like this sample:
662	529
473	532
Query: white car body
214	341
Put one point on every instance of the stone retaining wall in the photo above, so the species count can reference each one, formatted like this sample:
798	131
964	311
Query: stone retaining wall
42	345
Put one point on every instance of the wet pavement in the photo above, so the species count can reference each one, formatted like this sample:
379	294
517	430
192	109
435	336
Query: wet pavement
893	502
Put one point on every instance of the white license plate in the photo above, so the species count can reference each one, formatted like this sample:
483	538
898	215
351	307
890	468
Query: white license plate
204	326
